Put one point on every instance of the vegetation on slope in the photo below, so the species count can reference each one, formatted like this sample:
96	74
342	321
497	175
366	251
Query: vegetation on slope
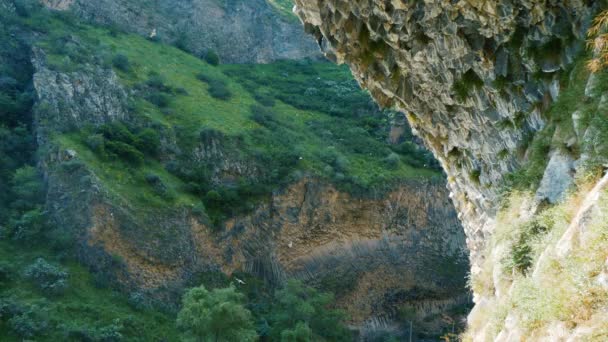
258	115
281	121
522	262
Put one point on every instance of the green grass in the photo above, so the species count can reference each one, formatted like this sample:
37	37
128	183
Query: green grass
315	106
83	304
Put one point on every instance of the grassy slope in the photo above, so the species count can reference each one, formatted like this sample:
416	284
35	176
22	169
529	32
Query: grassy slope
89	307
83	305
190	113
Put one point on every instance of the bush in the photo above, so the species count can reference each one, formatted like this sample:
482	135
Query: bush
219	90
156	81
212	58
125	151
121	62
148	141
29	225
49	278
158	99
217	87
392	160
30	322
159	186
96	143
263	116
265	99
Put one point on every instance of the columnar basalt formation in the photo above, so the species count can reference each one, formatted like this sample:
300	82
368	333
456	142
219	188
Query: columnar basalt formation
497	90
473	77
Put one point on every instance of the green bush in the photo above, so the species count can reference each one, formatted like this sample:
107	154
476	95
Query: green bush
219	90
28	226
29	322
217	87
47	277
217	315
297	304
121	62
125	151
212	58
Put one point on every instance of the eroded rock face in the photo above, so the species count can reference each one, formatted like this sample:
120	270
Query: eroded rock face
379	254
473	78
69	100
240	31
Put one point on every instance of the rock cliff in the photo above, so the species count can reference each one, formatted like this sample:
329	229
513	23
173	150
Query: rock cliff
239	31
497	90
382	254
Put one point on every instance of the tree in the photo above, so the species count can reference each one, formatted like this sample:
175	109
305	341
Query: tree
301	333
298	307
215	316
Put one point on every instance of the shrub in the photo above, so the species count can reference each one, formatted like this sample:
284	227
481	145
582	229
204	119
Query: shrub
265	99
392	160
158	99
215	315
121	62
219	90
148	141
49	278
96	143
217	87
159	186
156	81
262	115
212	57
125	151
29	225
30	322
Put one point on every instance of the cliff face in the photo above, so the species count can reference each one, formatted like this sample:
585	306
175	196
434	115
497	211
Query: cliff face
491	89
382	255
239	31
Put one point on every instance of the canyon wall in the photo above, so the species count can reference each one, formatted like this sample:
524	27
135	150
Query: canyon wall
239	31
497	90
381	253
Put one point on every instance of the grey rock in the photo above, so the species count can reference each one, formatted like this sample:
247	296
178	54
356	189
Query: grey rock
557	179
240	31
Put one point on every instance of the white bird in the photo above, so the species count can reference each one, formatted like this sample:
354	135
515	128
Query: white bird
239	281
290	244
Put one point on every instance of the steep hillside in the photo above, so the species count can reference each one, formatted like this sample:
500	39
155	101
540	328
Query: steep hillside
252	31
499	92
163	171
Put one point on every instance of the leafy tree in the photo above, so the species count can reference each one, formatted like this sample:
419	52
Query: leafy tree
301	333
298	307
218	315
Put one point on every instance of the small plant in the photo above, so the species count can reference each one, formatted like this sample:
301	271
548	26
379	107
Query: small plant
212	58
49	278
392	160
121	62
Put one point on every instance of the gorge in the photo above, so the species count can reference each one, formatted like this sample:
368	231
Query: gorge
500	93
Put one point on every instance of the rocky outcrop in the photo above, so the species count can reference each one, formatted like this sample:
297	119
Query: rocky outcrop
74	99
472	76
477	80
239	31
